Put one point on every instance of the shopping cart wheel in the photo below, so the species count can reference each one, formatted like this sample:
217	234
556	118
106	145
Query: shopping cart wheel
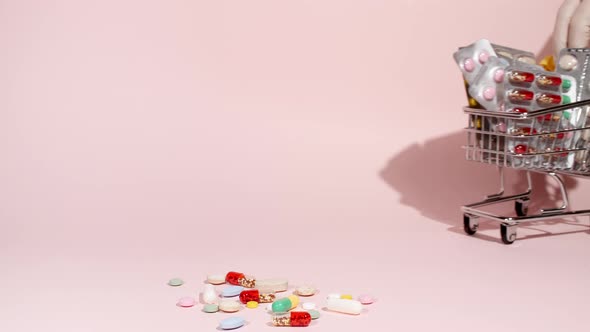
521	206
470	224
508	233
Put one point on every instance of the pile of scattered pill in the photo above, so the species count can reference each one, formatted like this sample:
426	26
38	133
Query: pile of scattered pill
285	311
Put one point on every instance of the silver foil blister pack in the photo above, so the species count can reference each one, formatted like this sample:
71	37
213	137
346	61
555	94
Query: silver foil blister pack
514	56
576	62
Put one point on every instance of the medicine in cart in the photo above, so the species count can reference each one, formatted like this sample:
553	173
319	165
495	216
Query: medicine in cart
526	116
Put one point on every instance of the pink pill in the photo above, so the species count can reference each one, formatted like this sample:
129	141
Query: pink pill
469	65
186	302
499	75
484	56
501	127
366	299
489	93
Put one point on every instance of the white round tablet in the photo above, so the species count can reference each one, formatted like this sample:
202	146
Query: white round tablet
229	306
308	306
216	279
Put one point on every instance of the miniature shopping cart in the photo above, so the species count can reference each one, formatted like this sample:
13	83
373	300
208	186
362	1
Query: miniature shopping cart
554	141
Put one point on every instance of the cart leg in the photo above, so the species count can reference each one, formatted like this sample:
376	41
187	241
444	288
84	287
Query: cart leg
564	196
529	182
501	192
521	206
470	223
508	233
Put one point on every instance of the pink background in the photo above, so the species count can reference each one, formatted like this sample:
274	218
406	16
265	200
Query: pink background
317	140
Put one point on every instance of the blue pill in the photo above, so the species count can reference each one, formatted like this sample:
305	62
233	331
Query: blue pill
232	291
232	323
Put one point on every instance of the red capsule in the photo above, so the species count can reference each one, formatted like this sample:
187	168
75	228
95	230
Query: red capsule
260	296
521	77
558	136
234	278
546	117
520	110
560	154
529	131
547	99
250	295
300	318
545	80
519	95
239	279
520	149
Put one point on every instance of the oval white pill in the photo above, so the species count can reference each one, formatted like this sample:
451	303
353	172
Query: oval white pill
216	279
276	284
505	54
229	306
568	62
308	306
345	306
333	296
305	290
527	60
210	295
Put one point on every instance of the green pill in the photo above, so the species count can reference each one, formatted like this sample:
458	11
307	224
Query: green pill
175	282
210	308
282	305
566	85
566	99
314	314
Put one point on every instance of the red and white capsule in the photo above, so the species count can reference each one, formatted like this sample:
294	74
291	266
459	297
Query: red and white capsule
293	318
520	95
549	81
548	99
521	77
240	279
257	295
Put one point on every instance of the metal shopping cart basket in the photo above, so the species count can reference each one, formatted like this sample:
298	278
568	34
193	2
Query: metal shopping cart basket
553	141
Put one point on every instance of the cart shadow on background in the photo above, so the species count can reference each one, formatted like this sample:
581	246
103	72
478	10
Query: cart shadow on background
435	179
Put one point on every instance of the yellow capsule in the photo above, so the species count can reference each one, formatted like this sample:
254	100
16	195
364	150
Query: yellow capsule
294	300
346	297
478	123
252	304
548	63
473	102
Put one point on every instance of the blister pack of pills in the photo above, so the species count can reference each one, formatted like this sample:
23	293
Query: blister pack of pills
532	89
487	88
470	100
514	56
529	88
508	80
576	62
470	59
520	142
548	134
